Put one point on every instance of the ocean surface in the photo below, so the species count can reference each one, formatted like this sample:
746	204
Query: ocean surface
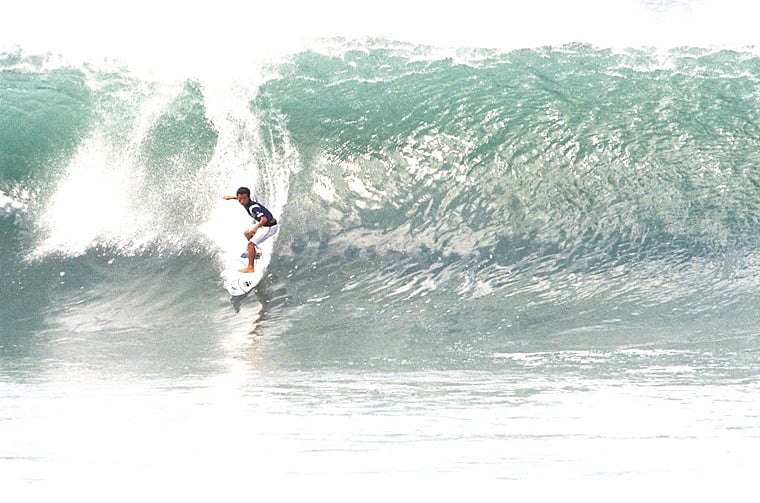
505	263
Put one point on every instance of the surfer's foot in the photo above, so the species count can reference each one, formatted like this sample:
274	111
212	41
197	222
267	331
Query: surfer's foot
246	269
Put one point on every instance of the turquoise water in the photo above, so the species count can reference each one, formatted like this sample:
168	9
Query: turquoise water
497	265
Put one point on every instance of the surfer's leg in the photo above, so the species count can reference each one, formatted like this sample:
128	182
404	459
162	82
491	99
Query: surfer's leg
262	235
251	255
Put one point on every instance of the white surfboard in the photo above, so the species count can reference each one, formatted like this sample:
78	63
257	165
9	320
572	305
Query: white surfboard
241	283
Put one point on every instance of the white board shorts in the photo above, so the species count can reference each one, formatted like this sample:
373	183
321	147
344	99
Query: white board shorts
263	233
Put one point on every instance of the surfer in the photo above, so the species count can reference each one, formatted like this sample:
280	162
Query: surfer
266	224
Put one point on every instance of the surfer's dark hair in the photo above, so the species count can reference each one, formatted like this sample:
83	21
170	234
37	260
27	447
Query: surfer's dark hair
244	190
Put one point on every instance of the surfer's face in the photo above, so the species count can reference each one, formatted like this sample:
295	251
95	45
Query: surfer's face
242	198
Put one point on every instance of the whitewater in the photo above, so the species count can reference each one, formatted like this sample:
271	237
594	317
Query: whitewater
519	250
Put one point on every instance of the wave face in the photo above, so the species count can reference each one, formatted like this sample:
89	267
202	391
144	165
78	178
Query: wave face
435	208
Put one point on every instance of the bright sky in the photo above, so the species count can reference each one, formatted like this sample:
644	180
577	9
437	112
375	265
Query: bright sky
215	29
